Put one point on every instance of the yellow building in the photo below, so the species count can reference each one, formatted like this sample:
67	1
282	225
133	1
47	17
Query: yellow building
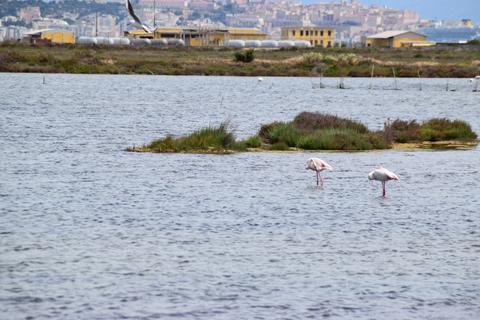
245	34
467	23
397	39
197	37
50	36
317	36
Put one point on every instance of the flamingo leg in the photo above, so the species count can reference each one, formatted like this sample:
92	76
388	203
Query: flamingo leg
384	190
317	177
321	179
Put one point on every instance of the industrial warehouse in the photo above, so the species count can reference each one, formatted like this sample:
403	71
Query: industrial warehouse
176	37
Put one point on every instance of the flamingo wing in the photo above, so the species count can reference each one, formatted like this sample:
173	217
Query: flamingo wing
389	174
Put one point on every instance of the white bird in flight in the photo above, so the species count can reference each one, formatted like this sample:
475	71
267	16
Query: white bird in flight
137	20
383	175
318	165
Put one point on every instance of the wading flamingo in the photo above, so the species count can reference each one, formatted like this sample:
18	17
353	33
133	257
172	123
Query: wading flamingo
318	165
383	175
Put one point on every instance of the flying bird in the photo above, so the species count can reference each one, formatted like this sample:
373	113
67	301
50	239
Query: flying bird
383	175
318	165
136	18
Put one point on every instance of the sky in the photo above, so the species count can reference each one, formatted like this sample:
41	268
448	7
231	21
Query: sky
430	9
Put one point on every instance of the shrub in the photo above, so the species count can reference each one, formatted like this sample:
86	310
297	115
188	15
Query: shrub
244	56
432	130
342	139
285	133
264	132
402	131
311	121
378	141
444	129
312	58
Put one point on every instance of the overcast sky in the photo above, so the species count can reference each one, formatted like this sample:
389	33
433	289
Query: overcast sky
431	9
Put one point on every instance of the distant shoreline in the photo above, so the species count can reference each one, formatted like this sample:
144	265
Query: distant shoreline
332	62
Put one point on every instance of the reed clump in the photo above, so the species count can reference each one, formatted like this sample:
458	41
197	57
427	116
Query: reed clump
214	139
437	129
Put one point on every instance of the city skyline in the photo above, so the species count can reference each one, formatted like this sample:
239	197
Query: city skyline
429	9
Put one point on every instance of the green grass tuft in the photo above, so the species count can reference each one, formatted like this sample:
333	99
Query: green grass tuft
253	142
210	138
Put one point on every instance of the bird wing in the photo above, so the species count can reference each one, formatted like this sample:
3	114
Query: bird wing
390	174
311	164
136	18
326	165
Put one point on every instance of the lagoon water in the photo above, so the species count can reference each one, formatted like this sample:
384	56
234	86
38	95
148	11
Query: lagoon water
88	231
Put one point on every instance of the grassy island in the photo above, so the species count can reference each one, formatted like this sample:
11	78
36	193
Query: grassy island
331	62
317	131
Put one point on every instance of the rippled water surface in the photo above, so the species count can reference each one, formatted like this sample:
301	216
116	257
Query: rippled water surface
88	231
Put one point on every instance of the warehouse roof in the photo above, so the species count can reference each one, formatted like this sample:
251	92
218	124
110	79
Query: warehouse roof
393	33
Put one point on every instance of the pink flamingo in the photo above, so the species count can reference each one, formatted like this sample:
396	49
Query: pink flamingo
318	165
383	175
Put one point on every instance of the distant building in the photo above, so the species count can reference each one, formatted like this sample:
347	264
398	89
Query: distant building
452	35
49	36
11	33
49	23
28	14
317	36
467	23
397	39
200	37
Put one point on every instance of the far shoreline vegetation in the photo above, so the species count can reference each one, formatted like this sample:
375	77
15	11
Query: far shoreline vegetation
310	131
441	62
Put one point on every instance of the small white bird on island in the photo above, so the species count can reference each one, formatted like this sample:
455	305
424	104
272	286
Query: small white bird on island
383	175
318	165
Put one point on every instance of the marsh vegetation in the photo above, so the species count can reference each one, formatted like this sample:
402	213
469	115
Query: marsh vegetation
315	131
334	62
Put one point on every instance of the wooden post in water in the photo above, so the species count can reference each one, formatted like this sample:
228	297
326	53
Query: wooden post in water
371	77
395	84
419	80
